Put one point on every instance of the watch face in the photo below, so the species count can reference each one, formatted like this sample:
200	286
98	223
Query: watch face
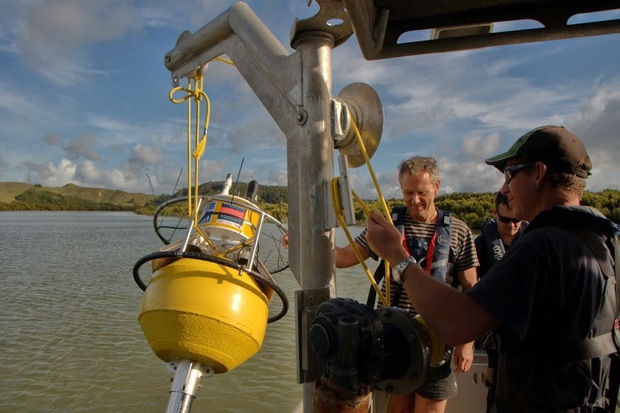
398	270
396	274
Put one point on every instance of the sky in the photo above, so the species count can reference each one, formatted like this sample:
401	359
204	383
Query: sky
84	100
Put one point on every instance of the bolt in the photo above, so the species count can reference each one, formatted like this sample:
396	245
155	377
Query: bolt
302	116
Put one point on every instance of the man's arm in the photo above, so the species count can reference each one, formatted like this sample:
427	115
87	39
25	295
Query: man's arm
345	256
454	316
467	278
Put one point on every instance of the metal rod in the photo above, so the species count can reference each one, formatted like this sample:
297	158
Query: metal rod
190	228
259	227
187	375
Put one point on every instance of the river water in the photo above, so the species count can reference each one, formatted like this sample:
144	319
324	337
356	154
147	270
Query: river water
69	333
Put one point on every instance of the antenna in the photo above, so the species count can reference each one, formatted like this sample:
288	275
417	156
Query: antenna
177	182
238	176
150	183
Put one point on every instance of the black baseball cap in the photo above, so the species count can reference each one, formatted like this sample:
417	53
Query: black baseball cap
558	148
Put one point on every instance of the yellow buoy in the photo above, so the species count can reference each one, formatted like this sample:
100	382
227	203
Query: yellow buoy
204	311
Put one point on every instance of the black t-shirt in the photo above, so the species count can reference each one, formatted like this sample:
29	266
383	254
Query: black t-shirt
547	286
546	292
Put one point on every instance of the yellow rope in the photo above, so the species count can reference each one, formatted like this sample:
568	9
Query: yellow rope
221	59
370	170
340	215
194	92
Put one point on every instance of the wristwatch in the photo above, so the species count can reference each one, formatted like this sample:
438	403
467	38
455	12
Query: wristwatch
399	269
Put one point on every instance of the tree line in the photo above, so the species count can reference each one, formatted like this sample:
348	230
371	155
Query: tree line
42	200
472	208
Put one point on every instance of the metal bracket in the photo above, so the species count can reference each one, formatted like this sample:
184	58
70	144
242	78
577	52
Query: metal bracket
346	197
339	116
306	303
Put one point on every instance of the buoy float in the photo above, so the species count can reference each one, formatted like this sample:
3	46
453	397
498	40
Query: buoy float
204	311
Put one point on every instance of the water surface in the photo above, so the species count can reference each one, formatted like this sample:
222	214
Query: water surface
70	337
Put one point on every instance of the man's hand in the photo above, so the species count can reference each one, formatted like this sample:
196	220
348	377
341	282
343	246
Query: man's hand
384	238
463	357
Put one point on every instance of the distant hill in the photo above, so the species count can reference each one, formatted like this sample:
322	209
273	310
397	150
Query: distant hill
17	196
9	190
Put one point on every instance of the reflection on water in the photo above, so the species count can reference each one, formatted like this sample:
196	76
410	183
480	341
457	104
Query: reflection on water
70	337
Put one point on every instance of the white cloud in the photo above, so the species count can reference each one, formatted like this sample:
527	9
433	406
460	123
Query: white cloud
82	147
468	176
88	172
51	174
142	155
597	122
479	147
213	170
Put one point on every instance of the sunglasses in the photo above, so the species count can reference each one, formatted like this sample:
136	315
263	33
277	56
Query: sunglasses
506	220
511	170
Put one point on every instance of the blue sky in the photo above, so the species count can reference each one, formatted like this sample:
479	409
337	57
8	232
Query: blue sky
84	100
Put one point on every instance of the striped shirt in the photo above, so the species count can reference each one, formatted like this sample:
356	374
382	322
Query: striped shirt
462	251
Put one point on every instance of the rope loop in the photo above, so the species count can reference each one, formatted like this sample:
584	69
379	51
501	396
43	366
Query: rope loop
335	190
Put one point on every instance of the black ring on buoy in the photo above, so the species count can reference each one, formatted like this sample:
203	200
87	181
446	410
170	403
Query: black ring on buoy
217	260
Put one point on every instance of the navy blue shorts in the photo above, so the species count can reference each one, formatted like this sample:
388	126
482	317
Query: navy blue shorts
441	385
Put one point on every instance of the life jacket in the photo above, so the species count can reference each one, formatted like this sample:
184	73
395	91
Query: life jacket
438	249
492	242
605	344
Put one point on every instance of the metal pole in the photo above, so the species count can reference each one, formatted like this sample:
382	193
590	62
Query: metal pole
310	156
187	375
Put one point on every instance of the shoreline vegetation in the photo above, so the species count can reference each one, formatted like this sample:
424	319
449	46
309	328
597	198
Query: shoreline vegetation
473	208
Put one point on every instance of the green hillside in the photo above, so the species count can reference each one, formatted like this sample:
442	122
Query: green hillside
9	190
17	196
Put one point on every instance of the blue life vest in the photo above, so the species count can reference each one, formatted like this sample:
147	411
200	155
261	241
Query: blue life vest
418	247
490	244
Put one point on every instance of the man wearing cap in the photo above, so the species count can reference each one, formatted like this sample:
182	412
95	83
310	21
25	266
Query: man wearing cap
551	299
